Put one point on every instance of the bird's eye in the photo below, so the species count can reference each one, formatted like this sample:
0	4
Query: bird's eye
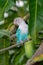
16	20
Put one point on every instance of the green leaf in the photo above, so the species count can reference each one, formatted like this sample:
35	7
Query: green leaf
4	32
29	45
9	5
4	56
5	5
36	17
19	57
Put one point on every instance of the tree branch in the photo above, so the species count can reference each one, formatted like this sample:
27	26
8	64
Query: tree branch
26	17
10	47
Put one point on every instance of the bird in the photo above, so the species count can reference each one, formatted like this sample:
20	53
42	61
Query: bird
22	31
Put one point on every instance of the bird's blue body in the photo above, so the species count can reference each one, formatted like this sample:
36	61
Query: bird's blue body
21	36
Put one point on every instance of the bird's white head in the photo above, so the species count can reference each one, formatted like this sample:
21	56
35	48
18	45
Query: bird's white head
18	21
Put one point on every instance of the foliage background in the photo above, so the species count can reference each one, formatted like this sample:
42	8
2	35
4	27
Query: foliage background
16	56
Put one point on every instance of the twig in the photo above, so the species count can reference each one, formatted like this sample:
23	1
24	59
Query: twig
10	47
26	17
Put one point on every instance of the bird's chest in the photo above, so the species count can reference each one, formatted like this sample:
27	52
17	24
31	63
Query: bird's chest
23	29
